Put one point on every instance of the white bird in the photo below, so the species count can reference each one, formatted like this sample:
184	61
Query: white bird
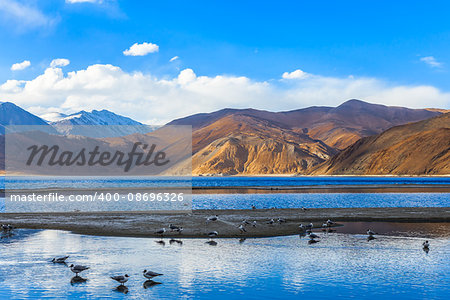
60	260
370	232
309	226
245	222
242	228
329	222
302	227
426	245
324	225
213	234
150	274
179	230
78	269
212	218
280	220
254	224
120	278
271	221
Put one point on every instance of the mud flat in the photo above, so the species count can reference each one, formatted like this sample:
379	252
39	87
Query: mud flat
144	224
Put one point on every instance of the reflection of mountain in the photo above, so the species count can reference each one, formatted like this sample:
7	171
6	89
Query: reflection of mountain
249	141
418	148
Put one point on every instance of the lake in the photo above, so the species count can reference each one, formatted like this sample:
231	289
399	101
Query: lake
339	266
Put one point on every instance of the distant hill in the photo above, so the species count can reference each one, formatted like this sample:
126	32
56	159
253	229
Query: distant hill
338	127
421	148
249	141
11	114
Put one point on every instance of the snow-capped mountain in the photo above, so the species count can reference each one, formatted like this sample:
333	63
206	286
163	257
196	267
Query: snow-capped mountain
95	117
97	123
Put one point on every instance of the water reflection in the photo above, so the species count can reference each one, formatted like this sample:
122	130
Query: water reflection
342	265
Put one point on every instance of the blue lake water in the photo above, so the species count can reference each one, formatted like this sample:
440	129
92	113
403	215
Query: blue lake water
340	266
109	182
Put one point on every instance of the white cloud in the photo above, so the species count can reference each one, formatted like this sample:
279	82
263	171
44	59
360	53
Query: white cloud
297	74
174	58
141	49
431	61
148	98
59	62
24	16
20	66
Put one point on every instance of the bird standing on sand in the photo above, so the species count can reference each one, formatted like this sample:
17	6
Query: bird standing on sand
254	224
271	221
160	231
330	223
242	228
150	274
78	269
245	222
173	227
213	234
281	220
60	260
212	219
370	232
302	227
120	278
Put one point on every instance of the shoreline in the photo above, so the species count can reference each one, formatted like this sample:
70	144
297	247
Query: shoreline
144	224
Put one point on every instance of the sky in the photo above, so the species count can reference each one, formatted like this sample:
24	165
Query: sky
156	61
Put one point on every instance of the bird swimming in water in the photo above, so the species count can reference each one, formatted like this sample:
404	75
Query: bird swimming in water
77	269
426	245
121	279
60	260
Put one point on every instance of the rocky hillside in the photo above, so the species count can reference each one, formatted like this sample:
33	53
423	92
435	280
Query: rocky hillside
412	149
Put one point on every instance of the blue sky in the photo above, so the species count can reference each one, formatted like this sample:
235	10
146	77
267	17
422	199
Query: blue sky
391	52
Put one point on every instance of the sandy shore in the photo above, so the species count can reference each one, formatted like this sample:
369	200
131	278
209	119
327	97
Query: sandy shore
142	224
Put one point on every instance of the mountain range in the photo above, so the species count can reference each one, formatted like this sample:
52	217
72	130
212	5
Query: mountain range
355	137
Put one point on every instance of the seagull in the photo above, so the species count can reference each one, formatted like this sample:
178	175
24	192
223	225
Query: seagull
212	218
253	207
426	245
213	234
174	227
309	226
271	221
330	223
370	232
242	228
60	260
313	235
120	278
280	220
325	225
302	227
150	274
245	222
304	209
77	269
254	224
161	231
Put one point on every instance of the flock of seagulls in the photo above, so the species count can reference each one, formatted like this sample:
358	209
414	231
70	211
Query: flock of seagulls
122	279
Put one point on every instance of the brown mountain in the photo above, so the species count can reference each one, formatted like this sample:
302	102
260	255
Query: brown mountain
249	141
338	127
414	149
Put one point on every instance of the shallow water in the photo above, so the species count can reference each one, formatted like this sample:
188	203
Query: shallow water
339	266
